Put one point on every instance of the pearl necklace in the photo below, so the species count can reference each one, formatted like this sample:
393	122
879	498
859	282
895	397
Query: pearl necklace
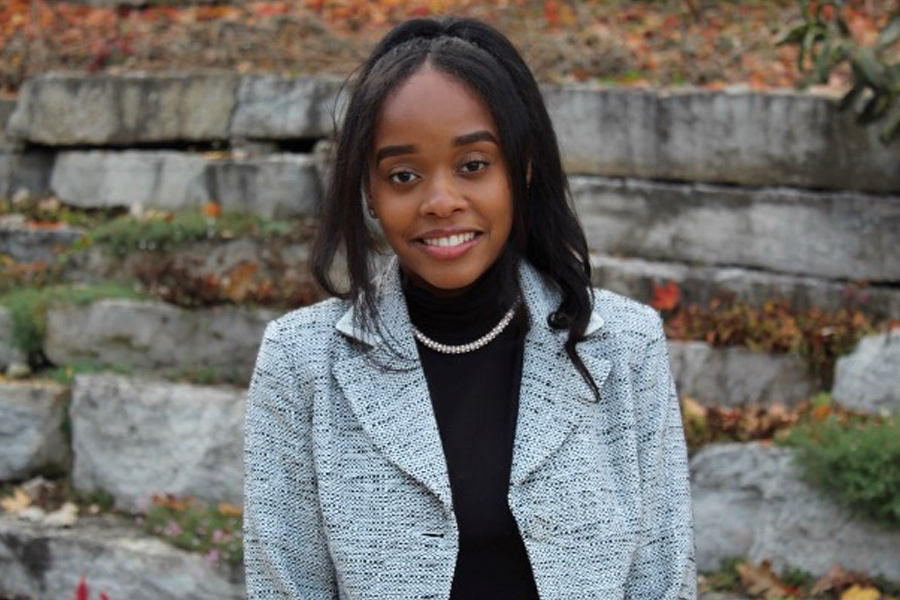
471	346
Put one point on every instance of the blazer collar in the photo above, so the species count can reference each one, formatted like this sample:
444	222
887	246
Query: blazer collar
387	391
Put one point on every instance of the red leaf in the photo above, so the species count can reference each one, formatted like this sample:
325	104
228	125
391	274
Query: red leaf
81	590
665	297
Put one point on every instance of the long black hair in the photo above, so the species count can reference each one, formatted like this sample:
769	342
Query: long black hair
545	230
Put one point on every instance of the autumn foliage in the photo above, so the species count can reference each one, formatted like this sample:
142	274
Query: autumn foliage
708	44
819	336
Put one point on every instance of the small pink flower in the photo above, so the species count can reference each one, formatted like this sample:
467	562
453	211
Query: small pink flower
172	529
218	535
212	556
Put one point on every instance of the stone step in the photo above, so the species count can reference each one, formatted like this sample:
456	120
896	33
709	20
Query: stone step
138	437
120	561
32	417
739	136
39	562
28	242
274	186
749	500
868	379
149	336
59	109
735	376
698	284
834	235
742	137
9	353
25	171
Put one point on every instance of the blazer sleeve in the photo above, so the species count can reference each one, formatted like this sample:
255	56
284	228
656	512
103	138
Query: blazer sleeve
663	567
285	551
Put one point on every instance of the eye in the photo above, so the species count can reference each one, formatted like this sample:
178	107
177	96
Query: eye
473	166
402	177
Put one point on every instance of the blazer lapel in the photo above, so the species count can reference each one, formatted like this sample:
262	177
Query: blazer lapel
387	391
553	396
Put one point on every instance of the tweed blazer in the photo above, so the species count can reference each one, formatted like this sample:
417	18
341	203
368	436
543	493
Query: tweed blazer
347	494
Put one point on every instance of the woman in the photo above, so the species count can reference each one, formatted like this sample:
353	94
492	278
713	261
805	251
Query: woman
476	422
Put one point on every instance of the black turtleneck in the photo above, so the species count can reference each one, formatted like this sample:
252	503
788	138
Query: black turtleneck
475	399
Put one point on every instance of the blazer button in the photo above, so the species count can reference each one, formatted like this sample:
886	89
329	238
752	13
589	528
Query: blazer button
539	527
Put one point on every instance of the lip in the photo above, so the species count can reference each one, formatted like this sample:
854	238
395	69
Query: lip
447	252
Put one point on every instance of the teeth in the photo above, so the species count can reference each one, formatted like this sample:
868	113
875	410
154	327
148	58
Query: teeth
450	240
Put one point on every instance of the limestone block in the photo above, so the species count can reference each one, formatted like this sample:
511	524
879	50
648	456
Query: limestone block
698	284
869	378
24	242
275	186
71	109
827	235
281	185
115	558
25	170
271	107
150	335
152	179
749	500
735	376
9	353
31	435
744	137
6	108
136	437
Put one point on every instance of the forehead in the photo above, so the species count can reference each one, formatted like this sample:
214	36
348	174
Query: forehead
433	102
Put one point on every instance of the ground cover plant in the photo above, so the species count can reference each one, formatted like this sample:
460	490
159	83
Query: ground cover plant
211	529
28	308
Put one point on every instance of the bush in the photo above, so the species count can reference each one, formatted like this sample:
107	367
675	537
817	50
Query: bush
854	460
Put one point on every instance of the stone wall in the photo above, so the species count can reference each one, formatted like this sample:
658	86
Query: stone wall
759	194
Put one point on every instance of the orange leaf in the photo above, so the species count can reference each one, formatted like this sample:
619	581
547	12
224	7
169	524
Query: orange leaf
665	297
239	281
228	510
212	209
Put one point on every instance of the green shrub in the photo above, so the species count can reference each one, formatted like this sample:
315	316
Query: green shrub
855	460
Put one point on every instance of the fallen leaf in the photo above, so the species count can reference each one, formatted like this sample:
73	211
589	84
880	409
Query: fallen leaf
229	510
16	503
665	297
212	209
65	516
760	581
860	592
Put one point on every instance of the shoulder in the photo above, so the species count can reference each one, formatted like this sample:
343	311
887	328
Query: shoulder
626	316
305	334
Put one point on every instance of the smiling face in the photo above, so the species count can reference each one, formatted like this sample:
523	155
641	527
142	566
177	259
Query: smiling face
438	182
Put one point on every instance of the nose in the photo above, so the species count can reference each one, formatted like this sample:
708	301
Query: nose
443	197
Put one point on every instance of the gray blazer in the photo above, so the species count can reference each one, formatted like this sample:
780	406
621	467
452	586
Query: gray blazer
346	489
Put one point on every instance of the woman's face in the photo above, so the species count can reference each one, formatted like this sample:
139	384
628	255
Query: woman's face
438	182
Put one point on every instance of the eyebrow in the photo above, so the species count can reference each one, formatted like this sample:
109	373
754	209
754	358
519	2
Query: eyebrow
463	140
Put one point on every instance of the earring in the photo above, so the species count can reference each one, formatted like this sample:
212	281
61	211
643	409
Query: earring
372	213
